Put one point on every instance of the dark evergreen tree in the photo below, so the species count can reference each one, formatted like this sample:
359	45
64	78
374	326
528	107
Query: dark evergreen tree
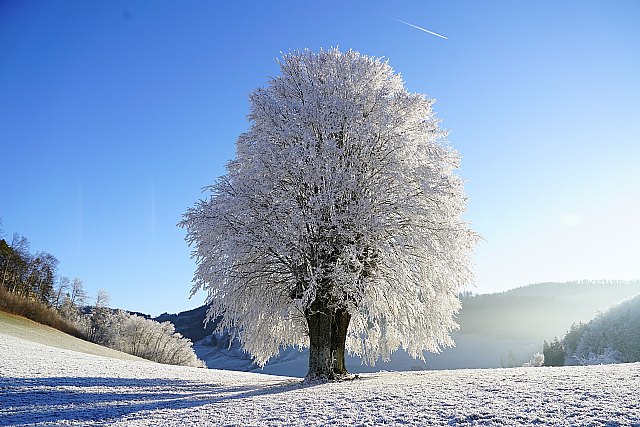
553	353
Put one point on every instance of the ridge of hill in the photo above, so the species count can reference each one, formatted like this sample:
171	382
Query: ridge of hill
190	323
502	314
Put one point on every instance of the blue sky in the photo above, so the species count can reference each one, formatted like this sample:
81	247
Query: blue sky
114	115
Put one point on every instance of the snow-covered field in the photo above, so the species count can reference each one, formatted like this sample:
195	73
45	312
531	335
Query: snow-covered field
42	385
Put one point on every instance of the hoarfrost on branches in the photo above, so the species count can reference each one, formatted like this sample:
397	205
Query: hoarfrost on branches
343	198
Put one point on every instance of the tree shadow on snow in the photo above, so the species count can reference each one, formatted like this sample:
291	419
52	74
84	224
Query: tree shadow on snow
42	400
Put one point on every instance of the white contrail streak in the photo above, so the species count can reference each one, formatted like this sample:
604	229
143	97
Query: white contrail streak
420	28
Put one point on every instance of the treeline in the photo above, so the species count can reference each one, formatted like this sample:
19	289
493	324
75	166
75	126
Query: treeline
611	337
31	287
25	274
33	282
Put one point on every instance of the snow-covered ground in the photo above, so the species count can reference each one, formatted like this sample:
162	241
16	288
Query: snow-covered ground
42	385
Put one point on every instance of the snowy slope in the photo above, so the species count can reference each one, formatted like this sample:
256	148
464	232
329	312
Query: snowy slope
41	385
22	327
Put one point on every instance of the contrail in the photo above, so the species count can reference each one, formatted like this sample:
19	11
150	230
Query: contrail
420	28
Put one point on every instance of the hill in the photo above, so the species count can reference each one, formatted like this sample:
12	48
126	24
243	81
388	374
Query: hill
42	385
191	323
23	328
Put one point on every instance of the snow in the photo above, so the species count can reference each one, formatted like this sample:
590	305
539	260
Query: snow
42	385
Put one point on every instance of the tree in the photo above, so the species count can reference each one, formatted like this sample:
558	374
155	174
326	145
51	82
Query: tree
60	292
610	337
42	274
16	261
7	256
553	353
72	313
155	341
536	360
338	225
100	326
572	338
70	307
102	299
78	295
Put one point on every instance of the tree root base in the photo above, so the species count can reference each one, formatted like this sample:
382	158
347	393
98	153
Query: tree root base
319	379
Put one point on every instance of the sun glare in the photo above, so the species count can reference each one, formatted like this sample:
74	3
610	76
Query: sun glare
571	220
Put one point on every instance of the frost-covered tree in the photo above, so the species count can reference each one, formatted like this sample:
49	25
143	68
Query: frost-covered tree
100	328
338	225
78	295
136	335
154	341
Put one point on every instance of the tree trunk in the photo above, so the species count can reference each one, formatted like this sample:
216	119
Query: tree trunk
327	335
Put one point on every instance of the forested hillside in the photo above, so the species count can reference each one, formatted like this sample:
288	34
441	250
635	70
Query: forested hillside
611	337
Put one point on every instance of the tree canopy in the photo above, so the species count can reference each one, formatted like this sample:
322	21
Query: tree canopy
343	205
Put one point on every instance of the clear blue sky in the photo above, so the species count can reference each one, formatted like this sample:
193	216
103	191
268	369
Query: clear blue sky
114	114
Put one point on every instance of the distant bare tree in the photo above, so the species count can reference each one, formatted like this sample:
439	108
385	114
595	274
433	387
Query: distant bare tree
78	296
102	298
61	291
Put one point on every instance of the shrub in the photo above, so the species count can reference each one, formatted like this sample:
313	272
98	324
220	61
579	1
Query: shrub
37	311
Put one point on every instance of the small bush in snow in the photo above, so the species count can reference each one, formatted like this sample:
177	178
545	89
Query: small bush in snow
535	361
155	341
608	357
